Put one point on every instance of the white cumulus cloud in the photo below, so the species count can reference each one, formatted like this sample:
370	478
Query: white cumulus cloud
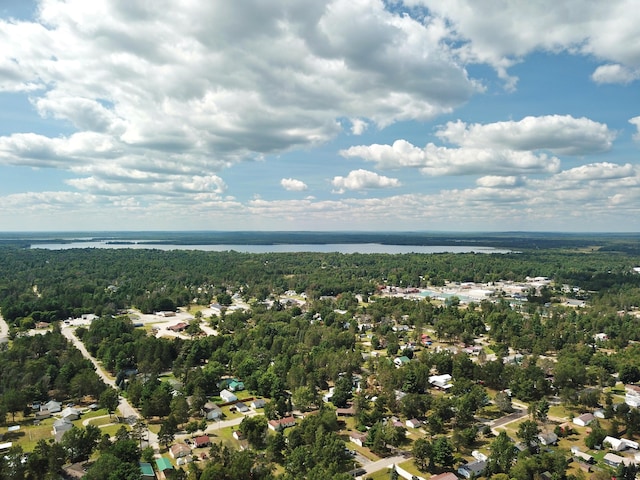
559	134
293	185
501	32
636	121
615	73
363	180
435	160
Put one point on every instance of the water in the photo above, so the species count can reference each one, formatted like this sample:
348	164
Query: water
280	248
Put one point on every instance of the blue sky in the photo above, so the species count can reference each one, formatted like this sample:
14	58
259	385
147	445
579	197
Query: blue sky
320	115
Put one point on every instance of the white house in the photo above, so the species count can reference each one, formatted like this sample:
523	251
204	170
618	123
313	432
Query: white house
442	382
70	414
613	460
212	411
358	438
413	423
51	406
615	444
400	361
258	403
632	395
585	457
59	427
584	419
549	438
473	469
282	423
227	396
479	456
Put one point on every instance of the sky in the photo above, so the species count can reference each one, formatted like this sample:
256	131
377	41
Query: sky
358	115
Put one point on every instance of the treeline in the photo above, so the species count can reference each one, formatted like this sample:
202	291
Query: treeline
42	285
40	367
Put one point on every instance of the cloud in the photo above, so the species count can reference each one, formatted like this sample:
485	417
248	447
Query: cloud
495	181
434	160
501	32
218	82
293	185
636	121
358	126
363	180
615	73
558	134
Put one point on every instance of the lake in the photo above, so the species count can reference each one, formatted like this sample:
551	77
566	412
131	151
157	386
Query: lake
280	248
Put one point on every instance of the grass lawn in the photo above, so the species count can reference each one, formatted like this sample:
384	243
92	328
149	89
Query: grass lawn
410	467
559	411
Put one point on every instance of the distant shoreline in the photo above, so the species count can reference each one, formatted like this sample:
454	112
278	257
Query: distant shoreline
500	240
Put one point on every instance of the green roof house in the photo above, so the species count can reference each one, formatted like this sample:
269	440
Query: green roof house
147	471
163	464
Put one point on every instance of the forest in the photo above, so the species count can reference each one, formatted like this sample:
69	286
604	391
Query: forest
290	353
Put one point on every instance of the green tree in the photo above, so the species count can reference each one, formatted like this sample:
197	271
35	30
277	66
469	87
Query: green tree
180	409
503	453
109	400
528	433
442	452
503	402
80	442
254	429
304	398
421	453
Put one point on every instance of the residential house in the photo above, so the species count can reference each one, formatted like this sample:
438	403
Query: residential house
212	411
472	469
615	444
178	327
42	414
400	361
227	396
202	441
613	460
358	438
75	470
444	476
582	456
179	450
413	423
282	423
235	385
258	403
70	414
442	382
584	419
345	412
59	427
146	471
632	395
479	456
51	406
241	407
163	464
548	438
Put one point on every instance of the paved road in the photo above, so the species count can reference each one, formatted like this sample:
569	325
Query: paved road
126	409
383	464
512	417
